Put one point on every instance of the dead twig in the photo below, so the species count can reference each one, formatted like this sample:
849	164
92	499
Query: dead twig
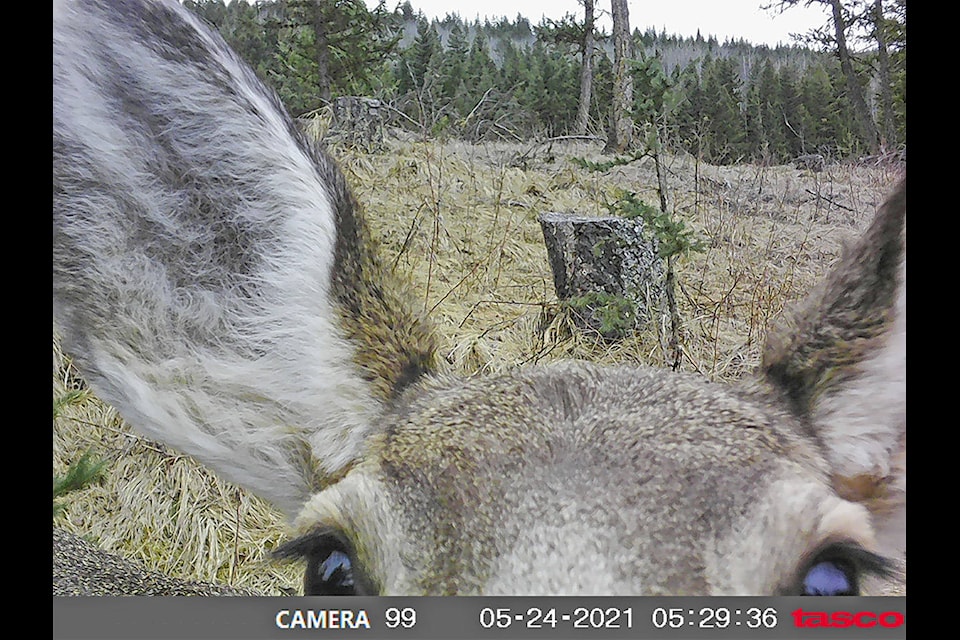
828	200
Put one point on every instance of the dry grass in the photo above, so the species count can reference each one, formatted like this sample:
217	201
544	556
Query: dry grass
461	222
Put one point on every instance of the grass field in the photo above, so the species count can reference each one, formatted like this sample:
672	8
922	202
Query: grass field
460	221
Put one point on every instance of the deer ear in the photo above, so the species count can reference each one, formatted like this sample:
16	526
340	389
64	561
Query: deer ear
840	359
197	253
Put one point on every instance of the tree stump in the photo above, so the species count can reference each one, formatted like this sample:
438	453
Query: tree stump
358	122
606	270
812	161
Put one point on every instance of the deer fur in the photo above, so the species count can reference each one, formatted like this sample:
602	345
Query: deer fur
215	281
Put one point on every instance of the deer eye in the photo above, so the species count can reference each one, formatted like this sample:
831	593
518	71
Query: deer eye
332	566
838	569
830	578
329	574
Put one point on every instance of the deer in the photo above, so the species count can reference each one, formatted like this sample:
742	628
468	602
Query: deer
215	280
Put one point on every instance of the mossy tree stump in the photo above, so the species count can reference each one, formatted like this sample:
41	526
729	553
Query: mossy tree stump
358	122
606	270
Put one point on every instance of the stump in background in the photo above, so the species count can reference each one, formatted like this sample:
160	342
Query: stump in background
358	122
812	161
605	269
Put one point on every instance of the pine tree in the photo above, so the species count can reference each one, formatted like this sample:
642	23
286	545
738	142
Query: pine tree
556	88
513	68
454	65
246	32
790	116
690	114
481	73
330	47
817	97
422	57
725	128
835	36
758	100
571	37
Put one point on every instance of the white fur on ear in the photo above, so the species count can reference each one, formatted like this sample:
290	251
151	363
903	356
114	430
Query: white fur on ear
864	422
863	429
194	244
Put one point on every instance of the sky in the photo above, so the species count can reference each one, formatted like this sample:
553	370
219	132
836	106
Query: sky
721	18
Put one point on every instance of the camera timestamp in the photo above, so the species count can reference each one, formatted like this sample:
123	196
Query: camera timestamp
554	618
714	617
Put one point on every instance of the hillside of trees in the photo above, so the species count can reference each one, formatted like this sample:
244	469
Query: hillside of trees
726	102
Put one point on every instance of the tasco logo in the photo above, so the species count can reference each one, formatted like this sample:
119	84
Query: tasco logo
889	619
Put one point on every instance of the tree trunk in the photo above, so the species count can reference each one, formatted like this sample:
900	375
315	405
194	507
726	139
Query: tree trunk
868	129
621	123
586	69
888	134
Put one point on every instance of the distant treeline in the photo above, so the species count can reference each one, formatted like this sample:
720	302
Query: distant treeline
727	102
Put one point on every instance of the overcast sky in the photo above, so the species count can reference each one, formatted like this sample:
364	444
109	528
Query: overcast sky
721	18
